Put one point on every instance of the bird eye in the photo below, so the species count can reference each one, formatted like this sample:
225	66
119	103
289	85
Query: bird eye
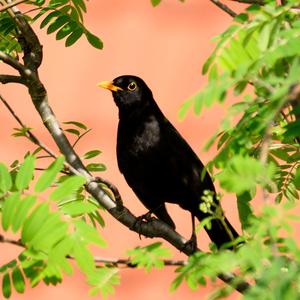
132	86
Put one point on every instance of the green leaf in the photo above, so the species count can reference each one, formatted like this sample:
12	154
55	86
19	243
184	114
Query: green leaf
89	233
184	108
104	279
25	174
22	211
96	217
49	18
264	37
55	3
8	210
292	129
6	286
297	178
81	4
96	167
34	222
60	251
77	124
91	154
5	179
207	64
8	266
50	232
241	18
198	103
155	2
47	177
73	131
57	23
251	170
18	280
78	208
149	256
74	37
82	255
65	30
94	40
213	73
240	87
245	209
67	188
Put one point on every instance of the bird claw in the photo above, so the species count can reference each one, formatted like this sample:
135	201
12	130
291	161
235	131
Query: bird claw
191	244
139	220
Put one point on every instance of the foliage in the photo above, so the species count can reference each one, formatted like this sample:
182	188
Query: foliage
156	2
149	256
51	228
63	17
271	256
257	60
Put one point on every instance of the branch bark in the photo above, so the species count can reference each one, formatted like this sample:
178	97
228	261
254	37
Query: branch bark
11	79
32	59
224	7
259	2
10	5
102	260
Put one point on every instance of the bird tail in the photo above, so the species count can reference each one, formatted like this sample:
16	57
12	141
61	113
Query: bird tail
220	231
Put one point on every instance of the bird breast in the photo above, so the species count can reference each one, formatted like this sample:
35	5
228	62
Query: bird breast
148	136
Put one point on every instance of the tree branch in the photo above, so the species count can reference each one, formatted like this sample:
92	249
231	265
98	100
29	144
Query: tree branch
3	239
241	287
127	263
102	260
12	62
294	99
224	7
31	136
9	5
259	2
11	79
154	227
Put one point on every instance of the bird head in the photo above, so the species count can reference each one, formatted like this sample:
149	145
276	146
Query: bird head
129	92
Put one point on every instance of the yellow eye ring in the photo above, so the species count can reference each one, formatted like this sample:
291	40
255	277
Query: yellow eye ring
132	86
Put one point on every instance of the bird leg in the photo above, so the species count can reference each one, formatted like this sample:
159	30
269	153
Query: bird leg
139	220
147	217
192	242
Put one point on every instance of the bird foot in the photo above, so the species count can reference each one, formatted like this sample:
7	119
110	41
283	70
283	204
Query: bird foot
139	220
191	244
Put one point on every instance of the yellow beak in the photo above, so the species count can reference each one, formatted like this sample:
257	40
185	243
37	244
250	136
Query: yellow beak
109	85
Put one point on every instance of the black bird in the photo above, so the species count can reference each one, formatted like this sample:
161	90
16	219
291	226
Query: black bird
157	163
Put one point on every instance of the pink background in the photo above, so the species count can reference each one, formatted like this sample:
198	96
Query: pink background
166	46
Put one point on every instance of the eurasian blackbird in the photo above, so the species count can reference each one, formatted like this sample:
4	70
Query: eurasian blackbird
156	161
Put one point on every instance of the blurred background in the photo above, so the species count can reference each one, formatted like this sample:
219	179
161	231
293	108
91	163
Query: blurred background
167	47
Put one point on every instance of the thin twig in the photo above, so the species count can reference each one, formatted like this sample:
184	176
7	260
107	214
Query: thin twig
128	263
10	241
9	5
264	152
13	63
224	7
34	139
259	2
102	260
31	136
11	79
80	137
